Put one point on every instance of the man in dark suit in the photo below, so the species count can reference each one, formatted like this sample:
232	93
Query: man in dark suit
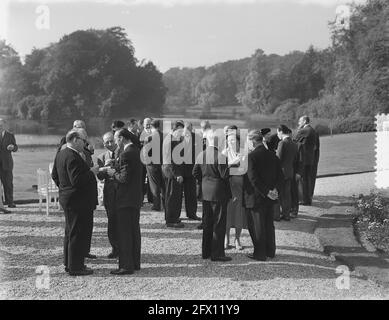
78	197
189	183
128	200
264	173
173	177
212	171
7	146
306	141
152	153
315	162
287	153
270	141
107	160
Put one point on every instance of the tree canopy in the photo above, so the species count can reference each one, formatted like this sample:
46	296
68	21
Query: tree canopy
86	73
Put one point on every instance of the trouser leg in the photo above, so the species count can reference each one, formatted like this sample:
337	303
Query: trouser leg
155	181
173	200
125	239
207	229
190	196
219	229
269	231
314	174
7	181
88	222
294	196
286	198
136	250
76	240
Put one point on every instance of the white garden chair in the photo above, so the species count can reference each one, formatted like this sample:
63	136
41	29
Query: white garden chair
47	189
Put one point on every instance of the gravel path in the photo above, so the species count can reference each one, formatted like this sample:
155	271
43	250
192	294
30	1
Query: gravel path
172	267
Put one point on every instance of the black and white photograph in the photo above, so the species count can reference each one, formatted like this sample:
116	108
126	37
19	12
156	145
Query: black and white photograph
194	150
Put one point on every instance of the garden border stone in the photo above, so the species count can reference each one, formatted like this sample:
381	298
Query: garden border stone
335	232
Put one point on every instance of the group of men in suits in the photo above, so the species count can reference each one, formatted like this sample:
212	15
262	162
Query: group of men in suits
276	164
75	175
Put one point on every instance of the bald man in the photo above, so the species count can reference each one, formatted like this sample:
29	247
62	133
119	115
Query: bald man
7	146
88	148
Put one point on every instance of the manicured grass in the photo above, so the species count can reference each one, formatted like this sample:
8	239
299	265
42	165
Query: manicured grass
338	154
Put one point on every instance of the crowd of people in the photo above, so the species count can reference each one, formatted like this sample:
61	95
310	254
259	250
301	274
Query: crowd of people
244	181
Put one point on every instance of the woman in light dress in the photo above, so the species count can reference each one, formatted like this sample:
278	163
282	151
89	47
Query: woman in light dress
236	215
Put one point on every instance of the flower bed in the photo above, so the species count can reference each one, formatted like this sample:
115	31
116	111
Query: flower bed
371	220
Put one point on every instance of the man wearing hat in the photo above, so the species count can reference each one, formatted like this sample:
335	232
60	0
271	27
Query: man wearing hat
264	173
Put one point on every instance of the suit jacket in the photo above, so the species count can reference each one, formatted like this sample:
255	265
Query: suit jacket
288	154
156	139
6	160
128	178
170	168
306	138
194	151
214	176
264	173
101	159
77	184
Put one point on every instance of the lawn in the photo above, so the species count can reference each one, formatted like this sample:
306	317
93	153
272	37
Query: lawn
339	154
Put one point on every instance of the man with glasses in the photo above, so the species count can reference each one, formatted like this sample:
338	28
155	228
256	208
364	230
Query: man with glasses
78	197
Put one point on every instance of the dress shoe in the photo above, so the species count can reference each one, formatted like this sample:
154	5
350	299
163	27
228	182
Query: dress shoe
5	211
251	256
155	209
12	205
222	259
83	268
238	246
121	272
194	218
175	225
112	255
91	256
200	227
84	272
285	218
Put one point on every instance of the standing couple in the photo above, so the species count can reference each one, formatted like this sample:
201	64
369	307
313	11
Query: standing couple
264	175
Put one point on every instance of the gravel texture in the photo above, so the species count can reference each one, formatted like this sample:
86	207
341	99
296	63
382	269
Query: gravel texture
172	267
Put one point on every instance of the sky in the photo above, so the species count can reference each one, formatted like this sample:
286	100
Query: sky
177	33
